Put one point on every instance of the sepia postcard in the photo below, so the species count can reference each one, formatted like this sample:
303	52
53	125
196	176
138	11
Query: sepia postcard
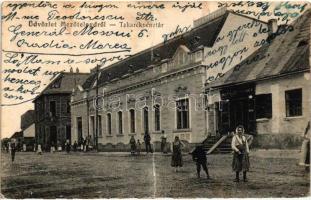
155	99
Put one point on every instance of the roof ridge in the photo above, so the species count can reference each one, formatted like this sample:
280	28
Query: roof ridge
165	43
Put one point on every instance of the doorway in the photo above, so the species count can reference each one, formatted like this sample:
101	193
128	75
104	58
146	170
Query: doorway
237	107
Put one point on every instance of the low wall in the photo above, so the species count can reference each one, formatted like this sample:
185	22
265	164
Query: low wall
156	146
277	141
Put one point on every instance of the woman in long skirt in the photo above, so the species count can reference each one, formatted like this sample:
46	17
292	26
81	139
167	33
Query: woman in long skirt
133	145
240	160
176	156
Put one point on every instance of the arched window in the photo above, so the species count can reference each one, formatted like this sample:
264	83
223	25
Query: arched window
157	125
109	123
120	123
132	121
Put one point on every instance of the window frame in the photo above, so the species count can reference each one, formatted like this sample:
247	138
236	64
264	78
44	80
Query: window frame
188	115
120	129
132	127
157	126
288	101
109	124
263	105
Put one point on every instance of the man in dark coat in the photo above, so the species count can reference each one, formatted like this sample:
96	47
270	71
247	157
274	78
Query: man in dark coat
147	140
13	150
199	156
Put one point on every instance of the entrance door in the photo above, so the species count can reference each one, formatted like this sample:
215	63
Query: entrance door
239	113
53	135
224	120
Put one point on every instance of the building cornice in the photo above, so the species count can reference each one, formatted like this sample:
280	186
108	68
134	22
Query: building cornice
169	74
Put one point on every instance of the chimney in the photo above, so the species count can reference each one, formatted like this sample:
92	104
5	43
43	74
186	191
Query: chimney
272	26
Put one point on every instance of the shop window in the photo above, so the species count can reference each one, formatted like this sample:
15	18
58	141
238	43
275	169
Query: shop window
293	99
263	106
182	112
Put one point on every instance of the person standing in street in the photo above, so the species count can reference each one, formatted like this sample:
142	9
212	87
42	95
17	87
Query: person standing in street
240	160
163	143
75	146
133	145
147	140
199	156
52	147
39	149
177	156
305	149
13	150
138	149
67	146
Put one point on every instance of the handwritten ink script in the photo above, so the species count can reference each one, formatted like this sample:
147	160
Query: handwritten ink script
42	39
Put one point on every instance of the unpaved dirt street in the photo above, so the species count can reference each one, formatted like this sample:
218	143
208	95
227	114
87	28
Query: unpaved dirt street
103	175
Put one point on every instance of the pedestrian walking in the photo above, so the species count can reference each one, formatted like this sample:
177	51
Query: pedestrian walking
75	146
177	161
52	148
163	143
13	150
81	144
24	147
133	145
59	146
147	140
240	160
67	146
84	144
199	156
138	148
305	149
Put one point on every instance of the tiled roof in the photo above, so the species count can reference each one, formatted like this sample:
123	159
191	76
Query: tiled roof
203	35
17	134
287	53
64	83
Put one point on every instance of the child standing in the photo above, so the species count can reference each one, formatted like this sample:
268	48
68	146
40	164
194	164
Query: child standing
199	156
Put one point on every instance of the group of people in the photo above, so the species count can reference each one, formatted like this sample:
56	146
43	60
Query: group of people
136	145
84	145
240	162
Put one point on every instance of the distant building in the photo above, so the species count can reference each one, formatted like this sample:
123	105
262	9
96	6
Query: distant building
52	109
270	92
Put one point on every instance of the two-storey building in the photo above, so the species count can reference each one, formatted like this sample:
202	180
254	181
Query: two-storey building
52	109
161	90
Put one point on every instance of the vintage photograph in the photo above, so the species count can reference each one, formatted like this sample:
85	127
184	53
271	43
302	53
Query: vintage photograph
155	99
